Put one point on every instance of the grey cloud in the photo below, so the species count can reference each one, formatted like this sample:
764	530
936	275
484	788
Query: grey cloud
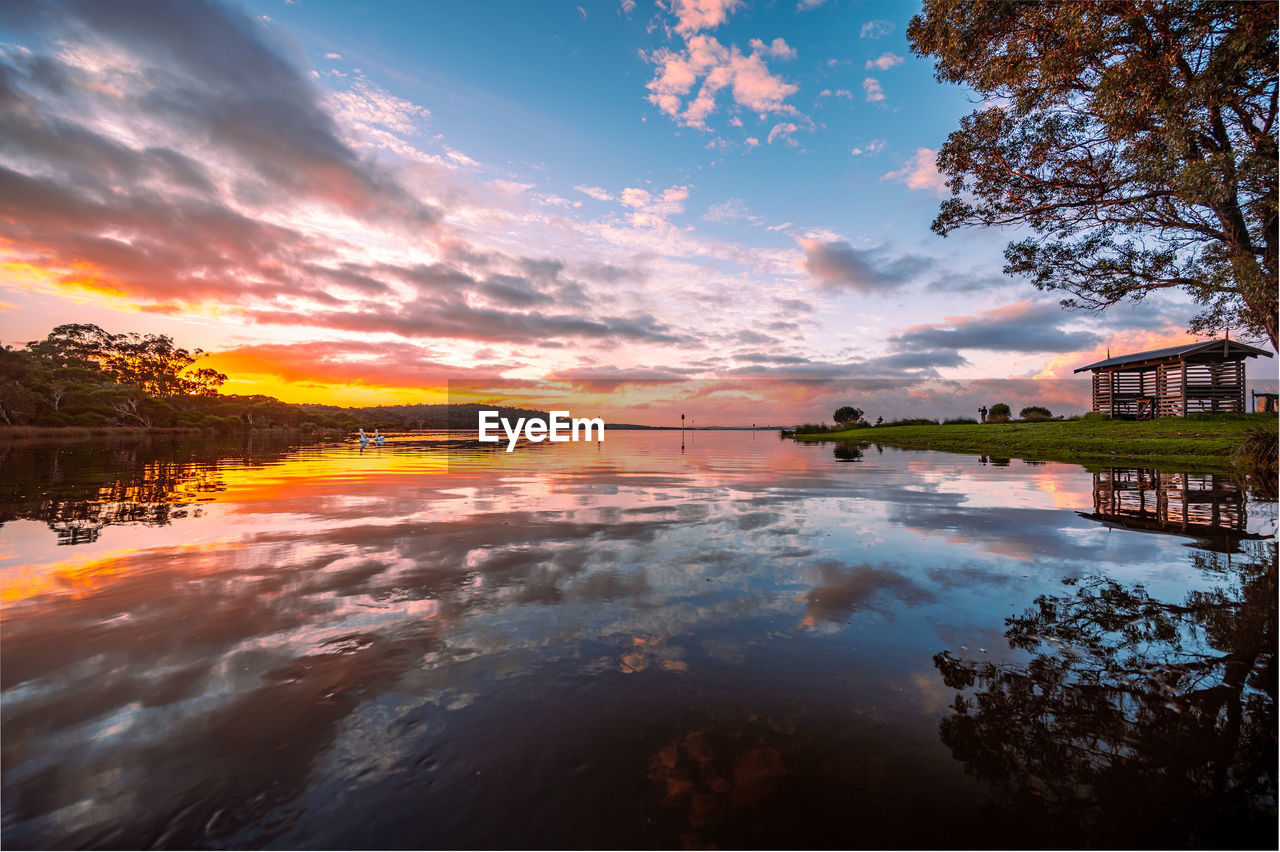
209	70
1033	329
161	226
457	319
887	371
609	273
839	266
794	305
767	358
351	277
754	338
93	162
782	326
542	269
605	379
923	359
514	291
968	282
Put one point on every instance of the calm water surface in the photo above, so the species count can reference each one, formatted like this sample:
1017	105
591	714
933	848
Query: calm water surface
745	642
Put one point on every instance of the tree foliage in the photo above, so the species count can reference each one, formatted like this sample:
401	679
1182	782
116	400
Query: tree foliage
1138	141
847	414
149	362
82	375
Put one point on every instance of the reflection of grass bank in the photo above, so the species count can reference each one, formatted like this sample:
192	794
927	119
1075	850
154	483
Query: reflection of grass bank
1202	441
24	434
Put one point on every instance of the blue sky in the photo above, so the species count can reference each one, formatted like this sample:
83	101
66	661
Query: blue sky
558	96
358	203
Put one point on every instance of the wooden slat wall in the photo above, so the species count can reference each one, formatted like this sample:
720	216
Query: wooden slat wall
1170	389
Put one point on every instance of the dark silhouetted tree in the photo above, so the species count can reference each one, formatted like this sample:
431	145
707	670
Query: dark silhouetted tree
847	414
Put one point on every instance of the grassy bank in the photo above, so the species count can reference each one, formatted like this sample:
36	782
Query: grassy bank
1209	441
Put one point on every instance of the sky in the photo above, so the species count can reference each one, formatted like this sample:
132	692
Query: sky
402	202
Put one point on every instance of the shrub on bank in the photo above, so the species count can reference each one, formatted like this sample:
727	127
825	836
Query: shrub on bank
959	421
1258	459
817	429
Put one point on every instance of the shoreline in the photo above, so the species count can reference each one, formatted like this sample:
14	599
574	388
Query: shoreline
1168	442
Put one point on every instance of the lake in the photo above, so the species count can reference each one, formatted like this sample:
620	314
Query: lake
734	641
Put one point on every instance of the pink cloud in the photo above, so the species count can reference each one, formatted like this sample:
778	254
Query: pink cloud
695	15
1118	342
367	107
652	209
884	61
876	29
704	59
779	49
921	172
595	192
784	132
872	87
756	88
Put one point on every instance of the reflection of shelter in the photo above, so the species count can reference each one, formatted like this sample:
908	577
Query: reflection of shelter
1195	377
1205	505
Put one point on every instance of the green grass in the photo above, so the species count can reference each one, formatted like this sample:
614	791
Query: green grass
1199	441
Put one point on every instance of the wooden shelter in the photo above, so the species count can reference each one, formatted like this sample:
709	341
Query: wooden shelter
1194	377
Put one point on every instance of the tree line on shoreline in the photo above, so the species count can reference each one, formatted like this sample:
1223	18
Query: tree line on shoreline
82	375
850	417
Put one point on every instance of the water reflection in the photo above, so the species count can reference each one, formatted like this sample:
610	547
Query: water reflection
729	646
1209	506
1130	703
847	452
84	487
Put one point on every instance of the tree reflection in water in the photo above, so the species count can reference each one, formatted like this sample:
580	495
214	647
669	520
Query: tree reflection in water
847	453
1132	705
86	487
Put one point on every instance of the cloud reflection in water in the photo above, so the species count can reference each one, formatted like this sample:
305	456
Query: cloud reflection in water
435	633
